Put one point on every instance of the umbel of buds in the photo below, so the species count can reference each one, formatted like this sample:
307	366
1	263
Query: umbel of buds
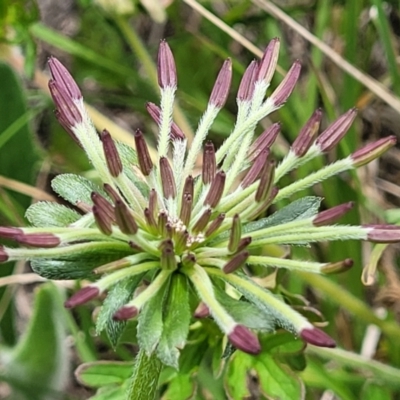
153	234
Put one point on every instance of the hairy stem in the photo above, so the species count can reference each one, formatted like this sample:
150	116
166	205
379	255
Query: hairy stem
143	385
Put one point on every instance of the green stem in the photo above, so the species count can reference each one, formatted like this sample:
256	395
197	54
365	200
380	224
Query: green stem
143	385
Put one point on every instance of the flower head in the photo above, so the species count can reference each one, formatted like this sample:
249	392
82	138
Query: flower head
155	233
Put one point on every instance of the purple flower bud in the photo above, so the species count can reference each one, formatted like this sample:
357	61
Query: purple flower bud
284	90
331	215
317	337
243	243
3	255
111	154
246	87
166	66
209	163
255	170
64	123
188	260
46	240
201	311
143	155
103	221
103	205
188	187
167	259
215	224
153	208
82	296
222	85
307	135
162	222
216	190
266	181
111	192
236	233
186	208
155	113
64	79
149	217
167	179
245	340
202	222
236	262
264	141
9	232
125	219
331	136
125	312
383	233
268	61
337	267
372	151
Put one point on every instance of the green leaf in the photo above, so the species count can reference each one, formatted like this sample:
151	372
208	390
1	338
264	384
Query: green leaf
244	312
40	360
81	263
303	208
373	391
75	188
275	381
111	393
119	295
49	214
182	387
150	322
103	373
176	321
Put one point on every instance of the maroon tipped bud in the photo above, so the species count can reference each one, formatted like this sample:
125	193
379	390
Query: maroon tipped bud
266	181
243	243
255	170
111	154
168	260
285	89
383	233
236	233
67	108
103	205
63	78
201	311
372	151
167	179
263	205
9	232
66	125
149	216
155	113
216	190
202	222
331	136
162	222
153	202
143	155
189	185
188	260
46	240
215	224
317	337
307	135
337	267
264	141
236	262
245	340
3	255
125	219
126	312
222	85
330	216
186	208
166	66
246	87
111	192
82	296
103	221
209	163
268	62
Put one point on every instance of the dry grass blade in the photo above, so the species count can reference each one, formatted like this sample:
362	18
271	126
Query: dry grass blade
371	84
23	188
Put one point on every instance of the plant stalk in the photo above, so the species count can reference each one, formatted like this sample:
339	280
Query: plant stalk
143	385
